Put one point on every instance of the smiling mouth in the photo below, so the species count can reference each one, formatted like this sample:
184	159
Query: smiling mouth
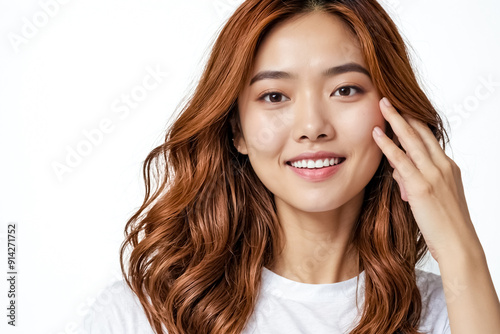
316	164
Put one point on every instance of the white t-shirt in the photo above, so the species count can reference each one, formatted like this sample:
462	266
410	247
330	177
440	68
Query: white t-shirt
283	306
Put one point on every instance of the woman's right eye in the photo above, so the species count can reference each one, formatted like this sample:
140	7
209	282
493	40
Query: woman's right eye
274	97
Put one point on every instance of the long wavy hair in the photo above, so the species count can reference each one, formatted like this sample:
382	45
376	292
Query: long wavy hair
208	226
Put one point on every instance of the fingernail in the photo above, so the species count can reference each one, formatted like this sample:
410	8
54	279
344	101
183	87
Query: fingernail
378	131
386	102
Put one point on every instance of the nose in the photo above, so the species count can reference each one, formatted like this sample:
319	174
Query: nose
311	121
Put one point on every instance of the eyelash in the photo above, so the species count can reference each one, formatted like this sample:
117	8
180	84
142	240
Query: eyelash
358	89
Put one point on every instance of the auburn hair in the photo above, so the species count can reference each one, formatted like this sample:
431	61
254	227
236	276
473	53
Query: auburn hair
208	226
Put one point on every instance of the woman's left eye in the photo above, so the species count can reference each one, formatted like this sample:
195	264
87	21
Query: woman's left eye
347	91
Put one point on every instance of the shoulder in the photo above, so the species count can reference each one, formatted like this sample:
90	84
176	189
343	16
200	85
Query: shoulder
434	316
116	309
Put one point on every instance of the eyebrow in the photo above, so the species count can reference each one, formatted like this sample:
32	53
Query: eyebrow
332	71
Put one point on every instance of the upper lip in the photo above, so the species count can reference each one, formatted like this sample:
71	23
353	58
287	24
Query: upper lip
320	155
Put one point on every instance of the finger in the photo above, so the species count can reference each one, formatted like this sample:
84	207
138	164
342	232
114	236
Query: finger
431	143
402	190
397	158
407	136
443	164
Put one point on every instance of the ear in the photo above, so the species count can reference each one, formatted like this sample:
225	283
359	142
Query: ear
238	139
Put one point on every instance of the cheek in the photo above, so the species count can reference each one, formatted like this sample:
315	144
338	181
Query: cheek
359	122
266	133
364	152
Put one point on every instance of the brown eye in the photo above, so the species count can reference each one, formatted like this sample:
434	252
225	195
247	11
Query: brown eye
274	97
347	91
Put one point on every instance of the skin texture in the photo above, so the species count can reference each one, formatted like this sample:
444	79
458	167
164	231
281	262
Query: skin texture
312	113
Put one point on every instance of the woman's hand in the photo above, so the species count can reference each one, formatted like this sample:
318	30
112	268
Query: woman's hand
430	182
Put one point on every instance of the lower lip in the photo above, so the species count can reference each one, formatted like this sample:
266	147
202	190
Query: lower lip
316	174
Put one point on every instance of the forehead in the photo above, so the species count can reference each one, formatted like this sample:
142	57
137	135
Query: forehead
309	39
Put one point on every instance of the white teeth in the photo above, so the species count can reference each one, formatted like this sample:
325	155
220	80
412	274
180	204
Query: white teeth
316	163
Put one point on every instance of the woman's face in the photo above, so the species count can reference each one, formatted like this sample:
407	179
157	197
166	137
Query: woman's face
310	92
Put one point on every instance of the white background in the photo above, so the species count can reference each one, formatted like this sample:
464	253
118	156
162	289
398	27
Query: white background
70	72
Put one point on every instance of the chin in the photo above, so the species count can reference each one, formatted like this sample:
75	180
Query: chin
319	207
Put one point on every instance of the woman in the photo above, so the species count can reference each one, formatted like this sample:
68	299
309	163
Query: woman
299	188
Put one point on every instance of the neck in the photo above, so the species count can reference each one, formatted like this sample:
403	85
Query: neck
316	248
